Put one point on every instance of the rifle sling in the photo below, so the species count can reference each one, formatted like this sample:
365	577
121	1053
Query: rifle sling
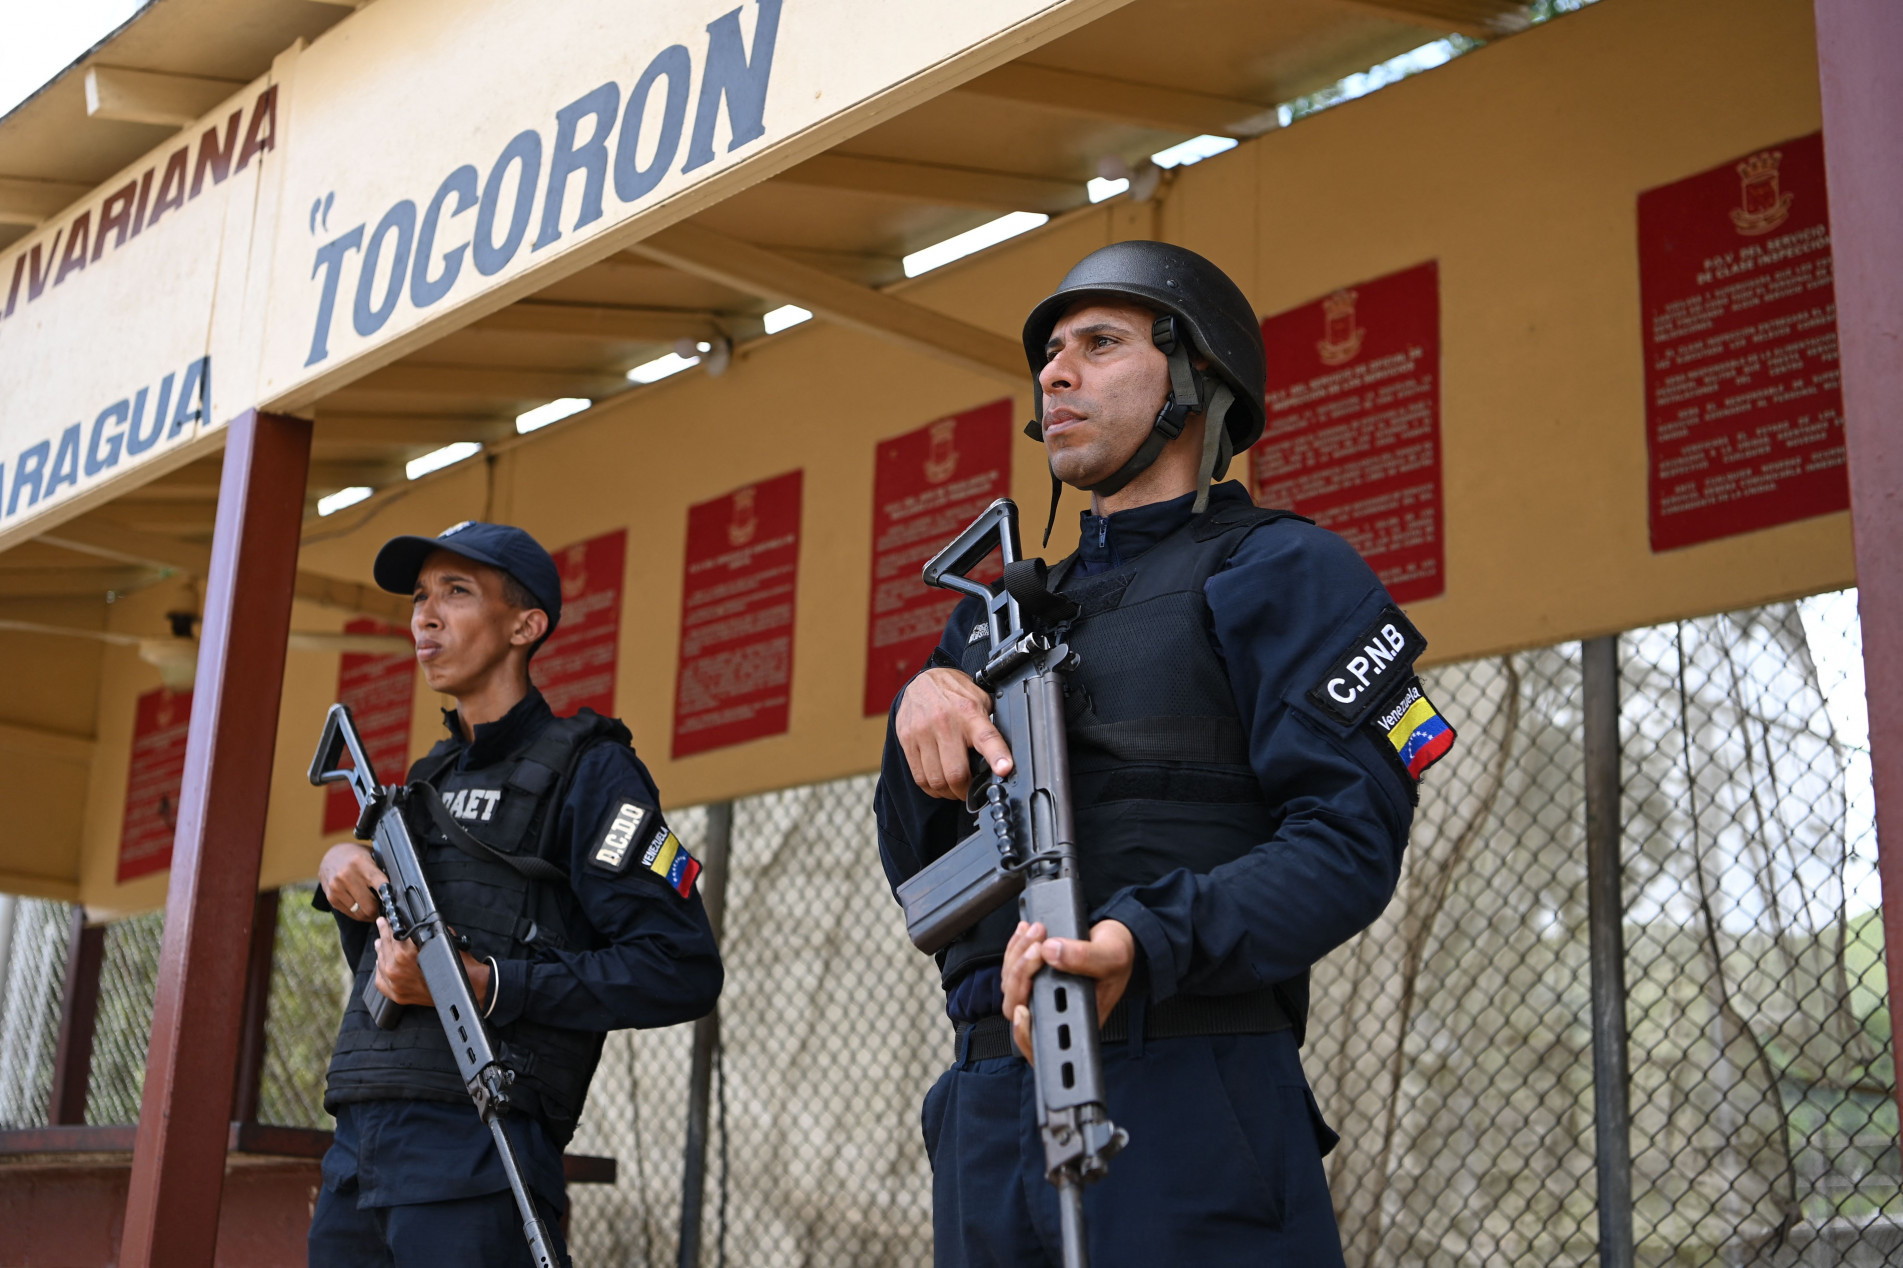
535	869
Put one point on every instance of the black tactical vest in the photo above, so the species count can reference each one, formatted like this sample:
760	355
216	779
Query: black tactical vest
1159	760
510	806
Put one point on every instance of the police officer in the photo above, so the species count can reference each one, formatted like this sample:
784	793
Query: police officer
1245	734
413	1177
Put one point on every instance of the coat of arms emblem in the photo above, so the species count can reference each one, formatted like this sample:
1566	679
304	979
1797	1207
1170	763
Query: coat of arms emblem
574	572
1763	205
742	526
1341	338
942	459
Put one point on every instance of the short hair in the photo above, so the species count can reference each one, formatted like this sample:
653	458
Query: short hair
517	595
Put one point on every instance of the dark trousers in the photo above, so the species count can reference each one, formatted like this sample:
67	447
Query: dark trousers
1224	1164
480	1232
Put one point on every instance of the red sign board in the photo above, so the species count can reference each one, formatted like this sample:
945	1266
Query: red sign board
1743	408
927	485
380	690
576	667
742	576
153	782
1353	438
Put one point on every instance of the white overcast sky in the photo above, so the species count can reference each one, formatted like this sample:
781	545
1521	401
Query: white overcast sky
44	36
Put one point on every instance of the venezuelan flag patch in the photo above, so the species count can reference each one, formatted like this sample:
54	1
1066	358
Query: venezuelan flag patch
668	859
1418	733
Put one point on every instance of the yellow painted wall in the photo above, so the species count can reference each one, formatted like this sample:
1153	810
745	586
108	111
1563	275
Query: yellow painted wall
1516	167
49	698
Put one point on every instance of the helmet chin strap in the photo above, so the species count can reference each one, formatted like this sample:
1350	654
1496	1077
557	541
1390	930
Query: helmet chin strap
1217	450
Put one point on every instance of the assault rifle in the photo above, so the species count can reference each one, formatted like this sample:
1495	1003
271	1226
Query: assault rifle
1023	846
413	915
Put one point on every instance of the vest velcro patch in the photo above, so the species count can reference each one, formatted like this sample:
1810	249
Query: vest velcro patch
625	827
1370	669
476	805
1414	727
668	859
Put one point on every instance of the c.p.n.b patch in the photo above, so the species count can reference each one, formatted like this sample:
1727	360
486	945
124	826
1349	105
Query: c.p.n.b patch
1370	669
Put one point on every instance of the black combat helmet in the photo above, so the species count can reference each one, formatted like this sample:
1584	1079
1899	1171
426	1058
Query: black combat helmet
1193	297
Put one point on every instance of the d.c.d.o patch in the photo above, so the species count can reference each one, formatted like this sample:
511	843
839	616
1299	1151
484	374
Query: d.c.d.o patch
617	845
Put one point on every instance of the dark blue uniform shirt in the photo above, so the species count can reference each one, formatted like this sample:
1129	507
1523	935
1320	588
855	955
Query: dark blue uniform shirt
1290	598
655	964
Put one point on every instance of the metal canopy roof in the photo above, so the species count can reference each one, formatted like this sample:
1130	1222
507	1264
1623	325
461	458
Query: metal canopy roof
1024	137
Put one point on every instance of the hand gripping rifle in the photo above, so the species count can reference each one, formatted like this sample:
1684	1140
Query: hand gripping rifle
1023	846
413	915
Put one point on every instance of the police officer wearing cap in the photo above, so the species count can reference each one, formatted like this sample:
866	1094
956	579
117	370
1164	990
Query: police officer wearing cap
516	798
1245	734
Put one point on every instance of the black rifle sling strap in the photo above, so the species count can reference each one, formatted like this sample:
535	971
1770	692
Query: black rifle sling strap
535	869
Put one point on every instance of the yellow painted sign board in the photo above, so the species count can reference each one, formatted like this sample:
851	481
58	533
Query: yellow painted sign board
126	333
434	160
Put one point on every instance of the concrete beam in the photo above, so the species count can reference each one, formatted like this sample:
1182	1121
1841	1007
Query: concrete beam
33	741
29	202
933	183
166	517
406	431
343	475
743	266
1146	105
499	382
149	96
149	550
74	583
1480	19
606	321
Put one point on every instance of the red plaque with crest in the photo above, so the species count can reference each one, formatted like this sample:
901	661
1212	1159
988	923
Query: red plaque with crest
576	667
381	692
1353	438
927	485
1743	405
737	603
153	781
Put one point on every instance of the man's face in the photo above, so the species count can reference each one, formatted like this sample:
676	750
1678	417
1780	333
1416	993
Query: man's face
1103	384
463	625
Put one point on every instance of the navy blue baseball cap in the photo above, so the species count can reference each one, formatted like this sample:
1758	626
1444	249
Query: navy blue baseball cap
501	546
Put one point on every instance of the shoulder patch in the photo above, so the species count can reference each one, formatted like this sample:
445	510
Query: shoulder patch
668	859
978	631
1414	728
618	840
1370	669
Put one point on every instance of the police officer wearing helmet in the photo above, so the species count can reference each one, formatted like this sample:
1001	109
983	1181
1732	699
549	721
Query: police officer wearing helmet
523	830
1245	735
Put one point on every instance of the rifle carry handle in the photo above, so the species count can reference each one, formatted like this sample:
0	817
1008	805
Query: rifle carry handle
996	525
339	737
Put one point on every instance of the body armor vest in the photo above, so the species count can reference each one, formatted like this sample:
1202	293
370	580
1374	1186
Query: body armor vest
1159	759
510	806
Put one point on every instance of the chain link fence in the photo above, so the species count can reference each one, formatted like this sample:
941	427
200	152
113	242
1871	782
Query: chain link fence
34	986
1450	1044
1452	1041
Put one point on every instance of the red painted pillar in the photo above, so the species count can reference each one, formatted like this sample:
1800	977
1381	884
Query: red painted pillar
257	1009
79	1011
178	1160
1860	61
